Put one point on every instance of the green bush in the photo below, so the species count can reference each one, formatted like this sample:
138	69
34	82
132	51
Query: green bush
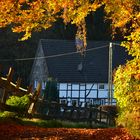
7	114
19	102
51	92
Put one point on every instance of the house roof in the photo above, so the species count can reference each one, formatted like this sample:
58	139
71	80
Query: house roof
93	67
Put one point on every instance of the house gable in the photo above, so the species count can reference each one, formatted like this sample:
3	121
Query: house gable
39	70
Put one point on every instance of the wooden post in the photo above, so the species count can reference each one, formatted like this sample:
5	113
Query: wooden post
9	79
18	83
34	99
10	75
4	96
29	90
100	114
110	75
0	69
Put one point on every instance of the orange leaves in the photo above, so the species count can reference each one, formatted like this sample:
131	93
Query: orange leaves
121	12
73	11
22	1
137	76
41	13
96	5
35	16
28	132
7	12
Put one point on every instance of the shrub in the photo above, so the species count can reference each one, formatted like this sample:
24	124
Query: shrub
51	92
7	114
127	94
18	102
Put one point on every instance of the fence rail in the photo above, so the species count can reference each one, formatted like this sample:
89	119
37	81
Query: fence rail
54	110
10	88
88	100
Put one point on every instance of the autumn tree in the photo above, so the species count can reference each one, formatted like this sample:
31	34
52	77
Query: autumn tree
125	16
32	15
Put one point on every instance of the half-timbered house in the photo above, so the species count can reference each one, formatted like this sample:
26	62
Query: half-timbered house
82	79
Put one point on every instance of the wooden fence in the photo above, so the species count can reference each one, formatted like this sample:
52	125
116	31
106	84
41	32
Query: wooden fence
90	114
9	88
49	110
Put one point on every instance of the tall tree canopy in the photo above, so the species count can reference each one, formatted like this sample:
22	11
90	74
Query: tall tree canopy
33	15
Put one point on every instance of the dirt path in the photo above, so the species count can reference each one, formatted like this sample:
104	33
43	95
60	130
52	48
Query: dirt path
17	132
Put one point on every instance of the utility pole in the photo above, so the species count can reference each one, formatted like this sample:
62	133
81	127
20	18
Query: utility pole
110	96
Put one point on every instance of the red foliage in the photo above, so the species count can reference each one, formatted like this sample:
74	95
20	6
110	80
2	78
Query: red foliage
14	131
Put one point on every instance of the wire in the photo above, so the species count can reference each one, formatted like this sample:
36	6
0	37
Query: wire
51	56
117	44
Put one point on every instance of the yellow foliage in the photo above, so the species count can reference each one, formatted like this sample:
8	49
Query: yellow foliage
41	14
127	93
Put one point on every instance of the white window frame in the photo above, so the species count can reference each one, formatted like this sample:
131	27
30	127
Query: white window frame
43	84
100	86
35	83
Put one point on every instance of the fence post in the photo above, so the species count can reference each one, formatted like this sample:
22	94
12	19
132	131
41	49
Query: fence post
29	90
18	83
9	79
34	99
0	69
10	75
90	116
100	114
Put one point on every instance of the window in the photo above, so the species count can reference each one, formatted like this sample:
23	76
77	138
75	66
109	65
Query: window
82	86
69	86
35	83
82	94
101	86
102	94
88	86
43	84
69	94
75	93
62	94
75	86
92	94
63	86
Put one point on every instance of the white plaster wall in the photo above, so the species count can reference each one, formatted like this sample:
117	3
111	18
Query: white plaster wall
102	93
